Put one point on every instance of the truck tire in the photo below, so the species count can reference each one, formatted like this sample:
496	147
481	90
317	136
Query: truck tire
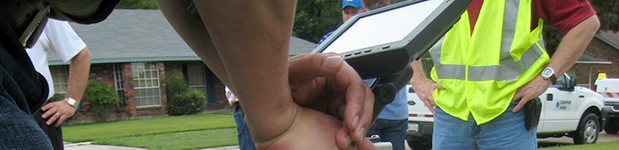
612	126
587	131
420	144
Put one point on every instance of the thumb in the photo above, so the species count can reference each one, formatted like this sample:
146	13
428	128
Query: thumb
306	67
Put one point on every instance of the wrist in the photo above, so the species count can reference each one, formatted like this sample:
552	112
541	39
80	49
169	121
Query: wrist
549	74
72	102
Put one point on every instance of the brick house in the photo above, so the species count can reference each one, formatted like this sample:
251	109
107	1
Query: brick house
133	51
601	56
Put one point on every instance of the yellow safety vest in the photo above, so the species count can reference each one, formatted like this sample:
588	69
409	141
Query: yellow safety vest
482	71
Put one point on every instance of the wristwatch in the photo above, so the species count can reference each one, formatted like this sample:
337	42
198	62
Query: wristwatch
549	74
70	101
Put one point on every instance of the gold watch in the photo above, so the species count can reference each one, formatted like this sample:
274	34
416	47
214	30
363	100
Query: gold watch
70	101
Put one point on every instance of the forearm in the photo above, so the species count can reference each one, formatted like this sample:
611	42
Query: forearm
192	30
573	45
251	39
78	75
417	70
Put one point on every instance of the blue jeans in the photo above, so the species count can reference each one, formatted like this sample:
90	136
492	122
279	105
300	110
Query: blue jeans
244	138
393	131
18	128
504	132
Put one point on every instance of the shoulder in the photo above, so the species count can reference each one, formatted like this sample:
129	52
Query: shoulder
564	14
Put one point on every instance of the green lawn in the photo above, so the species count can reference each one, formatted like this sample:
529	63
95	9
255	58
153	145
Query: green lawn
192	132
137	128
179	140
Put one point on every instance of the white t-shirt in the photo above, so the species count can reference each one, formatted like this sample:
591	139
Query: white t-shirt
59	37
231	97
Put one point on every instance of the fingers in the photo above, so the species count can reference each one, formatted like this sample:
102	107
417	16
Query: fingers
357	95
355	103
343	139
530	91
53	118
57	112
523	100
304	68
61	120
431	107
47	106
48	110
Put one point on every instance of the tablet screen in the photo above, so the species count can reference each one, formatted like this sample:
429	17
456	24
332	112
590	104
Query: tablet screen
382	28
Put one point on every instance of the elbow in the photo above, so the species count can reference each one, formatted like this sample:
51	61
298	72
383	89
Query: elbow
83	57
593	24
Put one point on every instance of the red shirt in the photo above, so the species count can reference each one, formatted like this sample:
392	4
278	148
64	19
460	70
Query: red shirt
562	14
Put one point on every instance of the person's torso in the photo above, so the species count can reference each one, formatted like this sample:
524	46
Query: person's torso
481	69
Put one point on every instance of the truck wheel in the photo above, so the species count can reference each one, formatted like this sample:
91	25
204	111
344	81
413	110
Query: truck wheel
612	126
587	131
420	144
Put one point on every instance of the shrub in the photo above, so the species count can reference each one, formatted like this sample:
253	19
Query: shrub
102	97
190	103
176	86
56	97
183	100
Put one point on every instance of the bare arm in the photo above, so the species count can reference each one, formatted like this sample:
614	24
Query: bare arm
568	52
257	66
78	78
194	33
573	45
423	86
78	75
261	58
248	50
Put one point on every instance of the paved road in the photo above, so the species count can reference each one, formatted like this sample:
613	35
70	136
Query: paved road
548	142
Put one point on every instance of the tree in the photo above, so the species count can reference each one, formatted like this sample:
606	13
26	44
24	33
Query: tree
314	18
608	13
137	4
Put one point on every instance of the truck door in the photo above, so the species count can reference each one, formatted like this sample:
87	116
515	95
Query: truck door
559	107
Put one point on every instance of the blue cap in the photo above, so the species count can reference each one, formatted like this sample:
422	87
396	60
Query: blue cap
357	4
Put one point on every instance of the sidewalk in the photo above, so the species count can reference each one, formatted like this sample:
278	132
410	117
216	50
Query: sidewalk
89	146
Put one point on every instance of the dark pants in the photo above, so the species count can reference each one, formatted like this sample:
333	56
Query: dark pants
245	141
21	91
17	128
54	133
393	131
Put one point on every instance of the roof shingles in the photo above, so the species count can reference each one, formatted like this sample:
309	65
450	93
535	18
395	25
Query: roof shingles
134	35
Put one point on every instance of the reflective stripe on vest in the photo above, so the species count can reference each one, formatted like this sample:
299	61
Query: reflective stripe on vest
481	70
509	68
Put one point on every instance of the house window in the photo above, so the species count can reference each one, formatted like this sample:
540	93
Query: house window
59	75
195	76
146	84
118	84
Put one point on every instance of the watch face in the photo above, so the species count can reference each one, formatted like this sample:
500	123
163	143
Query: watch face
71	102
547	73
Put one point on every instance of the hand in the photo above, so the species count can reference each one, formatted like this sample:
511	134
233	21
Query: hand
59	112
424	88
530	91
326	84
314	130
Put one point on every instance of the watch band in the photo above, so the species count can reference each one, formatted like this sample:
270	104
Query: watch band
553	78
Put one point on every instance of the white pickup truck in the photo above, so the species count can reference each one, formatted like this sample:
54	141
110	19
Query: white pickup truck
567	110
609	88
